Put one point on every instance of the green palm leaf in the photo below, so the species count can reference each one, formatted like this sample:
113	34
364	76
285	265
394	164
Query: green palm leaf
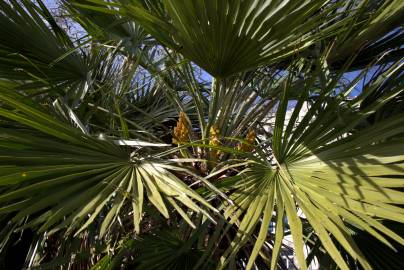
327	174
35	50
61	178
283	141
226	37
376	32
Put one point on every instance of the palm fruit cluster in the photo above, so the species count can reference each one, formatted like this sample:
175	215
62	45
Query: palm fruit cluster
214	134
248	146
181	131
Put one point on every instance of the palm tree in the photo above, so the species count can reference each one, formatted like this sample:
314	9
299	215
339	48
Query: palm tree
206	134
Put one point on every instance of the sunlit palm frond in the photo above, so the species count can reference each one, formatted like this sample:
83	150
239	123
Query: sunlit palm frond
324	173
226	37
62	178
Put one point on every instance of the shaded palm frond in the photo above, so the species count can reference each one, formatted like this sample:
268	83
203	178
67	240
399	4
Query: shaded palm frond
35	50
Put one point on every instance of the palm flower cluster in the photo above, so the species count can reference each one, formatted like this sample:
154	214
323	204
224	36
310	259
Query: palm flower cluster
181	131
214	140
248	145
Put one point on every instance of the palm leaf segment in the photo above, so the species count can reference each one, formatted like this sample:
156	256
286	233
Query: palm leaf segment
35	50
326	175
61	178
226	37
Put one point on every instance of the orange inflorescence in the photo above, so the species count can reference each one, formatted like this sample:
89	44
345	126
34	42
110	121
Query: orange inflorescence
249	139
214	134
181	131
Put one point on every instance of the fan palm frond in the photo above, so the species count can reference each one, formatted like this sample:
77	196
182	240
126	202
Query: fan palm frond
62	178
323	172
35	50
227	37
